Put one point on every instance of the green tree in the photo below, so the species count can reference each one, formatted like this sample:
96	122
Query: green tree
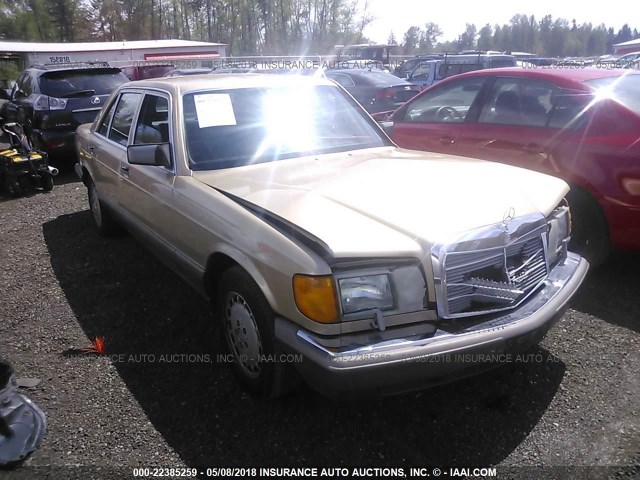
485	38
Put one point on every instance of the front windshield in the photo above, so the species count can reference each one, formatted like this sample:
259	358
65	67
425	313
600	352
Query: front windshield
624	89
231	128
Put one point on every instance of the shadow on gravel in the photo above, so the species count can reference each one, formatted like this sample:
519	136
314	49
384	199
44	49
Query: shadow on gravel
610	292
120	292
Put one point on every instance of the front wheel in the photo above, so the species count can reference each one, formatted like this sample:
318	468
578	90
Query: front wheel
247	323
590	232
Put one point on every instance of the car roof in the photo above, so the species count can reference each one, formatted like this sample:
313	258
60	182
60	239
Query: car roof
230	81
71	66
362	72
568	77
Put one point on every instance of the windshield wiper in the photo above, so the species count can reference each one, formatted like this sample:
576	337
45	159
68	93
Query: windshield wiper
79	93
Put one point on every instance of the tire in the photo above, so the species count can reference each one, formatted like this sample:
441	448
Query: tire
102	219
47	182
590	231
247	323
25	184
13	187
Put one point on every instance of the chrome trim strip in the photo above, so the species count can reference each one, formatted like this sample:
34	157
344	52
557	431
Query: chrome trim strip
94	109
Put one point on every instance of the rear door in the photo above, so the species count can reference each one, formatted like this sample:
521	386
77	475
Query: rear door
433	121
108	149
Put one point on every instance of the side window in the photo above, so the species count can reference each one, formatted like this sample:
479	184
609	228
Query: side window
342	79
18	85
123	117
569	111
447	104
153	121
514	101
27	85
106	120
421	72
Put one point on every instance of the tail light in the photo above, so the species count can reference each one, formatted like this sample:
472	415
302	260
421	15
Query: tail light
386	94
44	102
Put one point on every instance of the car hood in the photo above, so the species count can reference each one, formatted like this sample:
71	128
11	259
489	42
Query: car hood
388	200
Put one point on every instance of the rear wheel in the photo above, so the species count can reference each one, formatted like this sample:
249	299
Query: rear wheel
101	217
247	323
47	182
13	187
590	232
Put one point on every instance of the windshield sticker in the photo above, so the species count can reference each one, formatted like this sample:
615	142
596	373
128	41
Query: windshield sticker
214	110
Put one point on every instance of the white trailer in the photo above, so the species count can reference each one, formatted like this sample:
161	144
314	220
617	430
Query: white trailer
118	54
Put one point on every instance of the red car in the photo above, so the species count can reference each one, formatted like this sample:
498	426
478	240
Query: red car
582	125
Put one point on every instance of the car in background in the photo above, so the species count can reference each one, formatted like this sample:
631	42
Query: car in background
52	100
327	251
630	60
375	90
181	72
365	51
404	69
226	70
145	71
429	72
581	125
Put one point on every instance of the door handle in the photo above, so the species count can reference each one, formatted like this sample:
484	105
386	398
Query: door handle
92	148
125	168
447	140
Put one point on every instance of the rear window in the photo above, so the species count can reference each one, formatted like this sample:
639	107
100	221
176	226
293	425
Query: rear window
502	62
382	78
625	90
68	83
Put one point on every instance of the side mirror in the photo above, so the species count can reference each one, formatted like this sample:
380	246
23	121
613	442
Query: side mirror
20	94
155	154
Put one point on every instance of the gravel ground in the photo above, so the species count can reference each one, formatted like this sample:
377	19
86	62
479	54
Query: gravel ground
575	403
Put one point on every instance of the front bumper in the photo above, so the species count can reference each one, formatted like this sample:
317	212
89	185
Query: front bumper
416	362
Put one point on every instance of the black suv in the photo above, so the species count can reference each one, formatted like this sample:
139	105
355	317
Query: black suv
51	100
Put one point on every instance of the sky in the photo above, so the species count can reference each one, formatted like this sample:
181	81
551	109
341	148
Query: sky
452	16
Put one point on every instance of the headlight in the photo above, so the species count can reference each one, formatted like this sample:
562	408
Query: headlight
365	293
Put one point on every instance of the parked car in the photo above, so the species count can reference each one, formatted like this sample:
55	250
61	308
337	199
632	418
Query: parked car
630	60
429	72
375	269
404	69
580	125
181	72
375	90
145	71
52	100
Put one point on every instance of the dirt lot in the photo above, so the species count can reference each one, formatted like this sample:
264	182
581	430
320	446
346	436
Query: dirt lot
575	403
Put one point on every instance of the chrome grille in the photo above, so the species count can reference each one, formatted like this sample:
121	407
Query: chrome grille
488	280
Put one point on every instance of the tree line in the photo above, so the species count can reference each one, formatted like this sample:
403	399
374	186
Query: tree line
249	27
285	27
547	37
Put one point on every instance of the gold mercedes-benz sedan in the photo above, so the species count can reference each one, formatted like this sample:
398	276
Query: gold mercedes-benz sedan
329	253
